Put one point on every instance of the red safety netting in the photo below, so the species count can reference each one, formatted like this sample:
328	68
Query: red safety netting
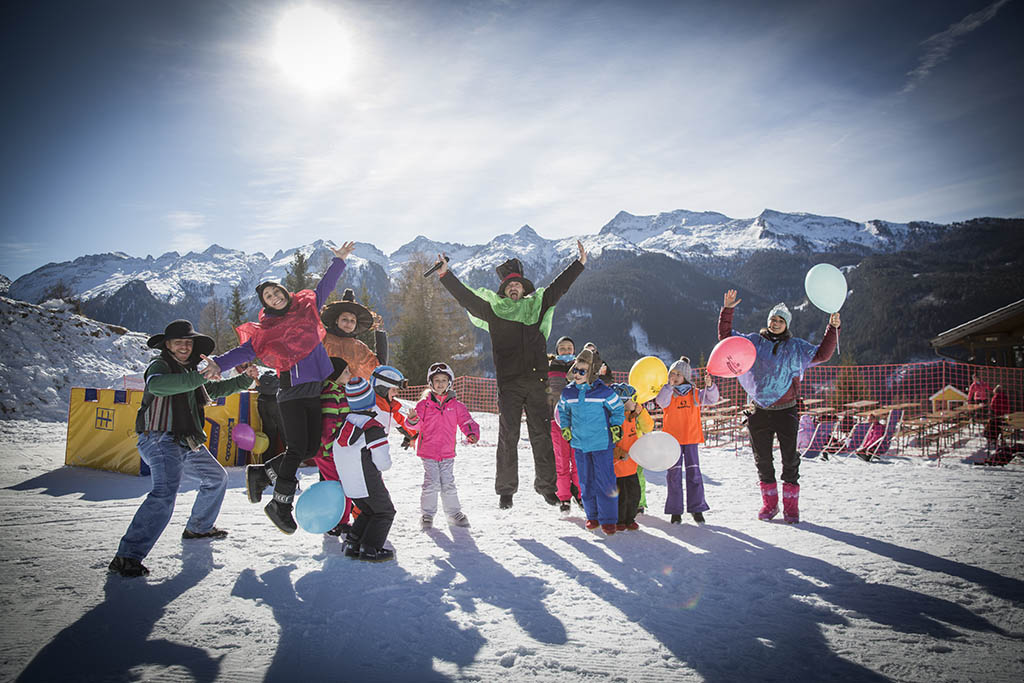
931	398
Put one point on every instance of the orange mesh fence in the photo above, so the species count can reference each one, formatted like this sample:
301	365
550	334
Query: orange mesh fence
930	386
927	393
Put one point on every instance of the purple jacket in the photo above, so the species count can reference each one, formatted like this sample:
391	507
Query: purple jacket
316	366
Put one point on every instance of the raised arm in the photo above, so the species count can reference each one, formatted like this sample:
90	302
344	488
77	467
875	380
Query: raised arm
829	342
467	299
557	289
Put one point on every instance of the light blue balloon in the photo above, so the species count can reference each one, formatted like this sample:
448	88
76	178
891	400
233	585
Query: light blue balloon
826	287
320	507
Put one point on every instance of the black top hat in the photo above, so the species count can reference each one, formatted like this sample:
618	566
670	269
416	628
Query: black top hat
182	329
329	315
511	270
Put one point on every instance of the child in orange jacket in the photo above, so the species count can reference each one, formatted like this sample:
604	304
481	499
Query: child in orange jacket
680	400
636	423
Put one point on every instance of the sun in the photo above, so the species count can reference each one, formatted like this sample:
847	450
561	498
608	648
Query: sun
312	49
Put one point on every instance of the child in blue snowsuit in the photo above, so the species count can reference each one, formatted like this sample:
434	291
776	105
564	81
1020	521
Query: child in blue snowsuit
591	417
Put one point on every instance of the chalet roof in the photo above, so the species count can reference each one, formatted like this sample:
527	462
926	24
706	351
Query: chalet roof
999	326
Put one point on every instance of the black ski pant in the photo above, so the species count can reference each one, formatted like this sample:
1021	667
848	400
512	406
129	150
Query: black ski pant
629	498
376	511
515	395
270	417
764	426
300	421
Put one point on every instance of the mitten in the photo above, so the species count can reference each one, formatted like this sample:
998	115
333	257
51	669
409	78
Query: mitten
616	432
566	433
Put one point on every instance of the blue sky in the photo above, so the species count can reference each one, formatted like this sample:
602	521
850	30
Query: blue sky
146	127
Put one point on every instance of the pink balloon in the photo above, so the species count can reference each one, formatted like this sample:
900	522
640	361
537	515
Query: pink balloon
732	357
244	436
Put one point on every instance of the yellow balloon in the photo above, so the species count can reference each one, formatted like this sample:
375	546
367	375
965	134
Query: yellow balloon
260	443
648	375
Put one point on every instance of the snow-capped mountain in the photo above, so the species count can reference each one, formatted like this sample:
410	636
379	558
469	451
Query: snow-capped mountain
144	292
47	349
684	234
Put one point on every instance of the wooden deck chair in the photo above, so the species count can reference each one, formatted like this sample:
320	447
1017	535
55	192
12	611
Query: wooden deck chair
881	447
822	434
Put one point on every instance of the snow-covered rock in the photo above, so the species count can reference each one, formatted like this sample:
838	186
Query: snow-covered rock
45	350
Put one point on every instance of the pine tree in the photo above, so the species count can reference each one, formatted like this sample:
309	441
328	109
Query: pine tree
213	321
236	313
430	326
298	276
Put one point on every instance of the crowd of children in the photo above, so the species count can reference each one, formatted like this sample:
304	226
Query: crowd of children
338	405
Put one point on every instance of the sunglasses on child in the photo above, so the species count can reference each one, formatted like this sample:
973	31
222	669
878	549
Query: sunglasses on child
580	371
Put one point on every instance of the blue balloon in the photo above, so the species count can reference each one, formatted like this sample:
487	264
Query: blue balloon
826	287
320	507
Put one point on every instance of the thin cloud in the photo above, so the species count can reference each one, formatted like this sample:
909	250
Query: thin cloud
185	231
939	46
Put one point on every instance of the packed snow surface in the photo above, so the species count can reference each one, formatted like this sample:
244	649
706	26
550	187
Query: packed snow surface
906	570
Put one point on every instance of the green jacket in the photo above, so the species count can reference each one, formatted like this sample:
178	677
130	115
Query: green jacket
161	382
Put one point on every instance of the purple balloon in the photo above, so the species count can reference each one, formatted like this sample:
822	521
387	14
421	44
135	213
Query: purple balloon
244	436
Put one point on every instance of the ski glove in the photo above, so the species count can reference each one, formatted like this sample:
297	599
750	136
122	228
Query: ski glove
566	433
616	432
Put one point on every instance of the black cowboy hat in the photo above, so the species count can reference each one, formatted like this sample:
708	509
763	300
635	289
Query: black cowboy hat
512	270
182	329
329	315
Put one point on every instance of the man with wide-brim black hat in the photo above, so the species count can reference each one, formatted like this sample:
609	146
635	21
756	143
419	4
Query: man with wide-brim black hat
170	427
518	318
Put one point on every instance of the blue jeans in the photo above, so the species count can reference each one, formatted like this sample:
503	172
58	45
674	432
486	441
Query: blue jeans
167	459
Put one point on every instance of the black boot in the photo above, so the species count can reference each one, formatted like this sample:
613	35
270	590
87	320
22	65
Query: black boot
698	517
505	501
257	478
350	546
128	567
279	510
676	519
551	499
340	529
376	554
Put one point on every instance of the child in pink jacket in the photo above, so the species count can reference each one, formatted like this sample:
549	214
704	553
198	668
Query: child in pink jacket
437	416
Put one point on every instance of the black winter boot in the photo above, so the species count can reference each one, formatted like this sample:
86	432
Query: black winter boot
350	546
128	567
279	510
257	478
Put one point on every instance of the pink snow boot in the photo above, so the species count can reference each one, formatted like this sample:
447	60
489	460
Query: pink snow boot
791	503
770	500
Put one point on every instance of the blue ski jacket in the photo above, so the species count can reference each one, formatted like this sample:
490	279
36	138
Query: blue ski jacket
589	410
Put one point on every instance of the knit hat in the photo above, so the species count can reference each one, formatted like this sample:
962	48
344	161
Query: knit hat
339	365
260	288
512	270
565	339
683	366
359	394
781	311
330	313
584	356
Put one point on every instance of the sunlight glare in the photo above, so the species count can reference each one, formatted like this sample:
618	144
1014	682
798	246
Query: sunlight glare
312	49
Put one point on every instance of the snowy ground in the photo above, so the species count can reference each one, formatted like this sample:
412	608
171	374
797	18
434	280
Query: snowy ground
901	571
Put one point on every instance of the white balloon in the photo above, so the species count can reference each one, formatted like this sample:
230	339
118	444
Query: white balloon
655	451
